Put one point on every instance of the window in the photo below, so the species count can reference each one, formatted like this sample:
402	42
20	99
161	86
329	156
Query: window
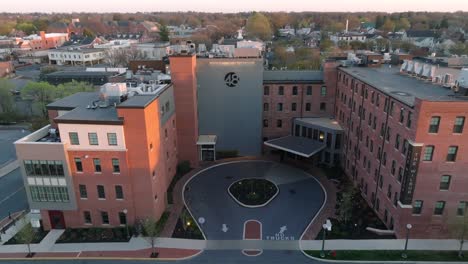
395	199
409	120
97	165
392	106
83	191
101	192
428	153
439	208
461	209
265	122
417	207
459	123
389	191
74	140
309	90
78	165
93	140
105	218
402	115
452	153
307	107
293	106
279	123
400	174
281	90
122	218
323	91
323	106
266	106
397	141
445	182
393	168
405	147
116	165
279	107
294	90
119	195
87	217
434	124
387	137
112	139
266	90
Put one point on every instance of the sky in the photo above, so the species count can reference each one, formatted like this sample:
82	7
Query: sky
229	6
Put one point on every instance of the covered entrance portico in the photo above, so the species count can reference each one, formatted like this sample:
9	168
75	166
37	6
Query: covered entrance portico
207	147
298	147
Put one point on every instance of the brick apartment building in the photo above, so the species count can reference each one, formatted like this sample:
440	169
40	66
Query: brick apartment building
399	138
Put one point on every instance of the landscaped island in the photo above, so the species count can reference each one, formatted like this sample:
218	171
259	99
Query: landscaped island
253	192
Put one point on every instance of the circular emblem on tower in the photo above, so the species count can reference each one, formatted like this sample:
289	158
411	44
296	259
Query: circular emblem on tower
231	79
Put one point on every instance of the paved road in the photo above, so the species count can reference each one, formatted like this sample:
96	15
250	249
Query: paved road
7	149
12	194
299	199
207	257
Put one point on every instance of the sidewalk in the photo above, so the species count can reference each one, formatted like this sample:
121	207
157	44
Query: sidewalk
9	167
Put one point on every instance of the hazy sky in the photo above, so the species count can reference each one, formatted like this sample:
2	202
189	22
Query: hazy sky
230	5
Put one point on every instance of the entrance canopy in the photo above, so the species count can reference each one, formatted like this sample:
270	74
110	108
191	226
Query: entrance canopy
301	146
206	140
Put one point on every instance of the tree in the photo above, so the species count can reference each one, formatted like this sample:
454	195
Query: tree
151	230
326	44
458	226
459	49
41	93
88	33
388	26
26	236
26	27
164	33
444	23
73	87
379	22
259	26
403	24
6	98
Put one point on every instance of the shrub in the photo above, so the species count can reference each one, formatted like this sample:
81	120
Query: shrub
226	154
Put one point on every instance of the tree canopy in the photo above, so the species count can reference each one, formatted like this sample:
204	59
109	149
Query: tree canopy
259	26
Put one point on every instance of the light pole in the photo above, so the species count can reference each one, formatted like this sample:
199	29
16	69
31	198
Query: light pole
125	211
326	227
408	228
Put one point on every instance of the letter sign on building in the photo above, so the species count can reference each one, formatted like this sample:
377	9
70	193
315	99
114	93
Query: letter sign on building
231	79
411	171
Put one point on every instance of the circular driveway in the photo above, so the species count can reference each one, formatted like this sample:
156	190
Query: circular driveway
286	217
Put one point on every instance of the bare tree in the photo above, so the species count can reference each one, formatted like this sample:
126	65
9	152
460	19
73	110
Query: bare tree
122	57
151	230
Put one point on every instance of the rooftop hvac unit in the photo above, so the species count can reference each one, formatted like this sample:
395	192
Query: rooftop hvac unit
403	66
448	80
438	79
417	68
410	67
426	71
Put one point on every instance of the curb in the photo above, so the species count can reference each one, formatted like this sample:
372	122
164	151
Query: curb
253	206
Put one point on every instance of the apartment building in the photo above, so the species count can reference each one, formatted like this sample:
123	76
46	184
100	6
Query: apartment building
76	56
404	146
103	160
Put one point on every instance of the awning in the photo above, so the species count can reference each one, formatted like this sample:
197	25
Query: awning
301	146
206	140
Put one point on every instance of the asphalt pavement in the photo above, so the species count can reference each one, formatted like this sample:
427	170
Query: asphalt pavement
7	149
286	217
12	194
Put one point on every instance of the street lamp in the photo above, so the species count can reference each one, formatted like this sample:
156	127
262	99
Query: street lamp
125	211
326	227
408	228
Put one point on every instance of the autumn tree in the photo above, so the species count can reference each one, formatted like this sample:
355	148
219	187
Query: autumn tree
259	26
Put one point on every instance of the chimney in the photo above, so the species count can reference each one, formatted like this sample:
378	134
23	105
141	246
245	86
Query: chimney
347	23
43	38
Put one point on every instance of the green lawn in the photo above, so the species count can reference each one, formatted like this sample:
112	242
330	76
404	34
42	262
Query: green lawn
389	255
